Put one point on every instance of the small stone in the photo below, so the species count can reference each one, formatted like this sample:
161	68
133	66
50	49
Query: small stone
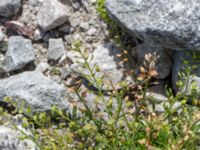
52	14
92	31
84	26
40	48
89	39
42	67
76	5
74	22
20	53
56	49
74	57
9	7
65	72
2	58
68	39
77	37
38	35
72	30
71	82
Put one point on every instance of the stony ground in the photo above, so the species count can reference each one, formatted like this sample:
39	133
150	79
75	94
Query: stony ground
39	61
38	36
36	40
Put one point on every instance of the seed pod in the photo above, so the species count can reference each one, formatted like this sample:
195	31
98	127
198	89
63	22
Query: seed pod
142	69
119	55
125	60
125	52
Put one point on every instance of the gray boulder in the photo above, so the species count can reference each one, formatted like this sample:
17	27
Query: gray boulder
9	7
169	23
105	57
52	14
36	90
10	140
56	49
192	61
20	53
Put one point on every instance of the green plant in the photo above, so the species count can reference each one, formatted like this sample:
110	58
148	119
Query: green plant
187	85
102	11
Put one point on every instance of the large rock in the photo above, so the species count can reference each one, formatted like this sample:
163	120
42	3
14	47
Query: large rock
52	14
183	60
162	58
10	140
170	23
56	49
38	91
105	57
20	53
9	7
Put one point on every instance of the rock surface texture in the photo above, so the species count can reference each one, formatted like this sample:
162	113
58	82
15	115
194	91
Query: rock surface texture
38	91
56	49
20	53
10	140
9	7
170	23
52	14
52	27
47	36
